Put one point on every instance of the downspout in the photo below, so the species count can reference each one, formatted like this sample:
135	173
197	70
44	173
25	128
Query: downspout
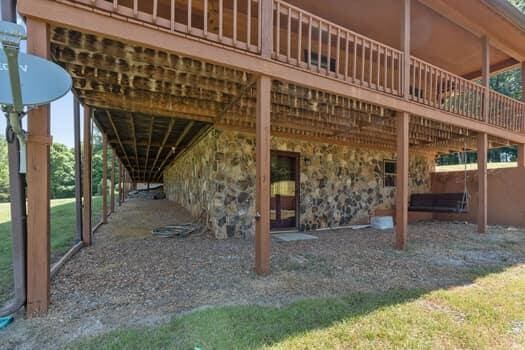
16	156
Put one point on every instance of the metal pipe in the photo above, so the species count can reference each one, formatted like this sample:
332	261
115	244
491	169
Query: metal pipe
18	203
78	169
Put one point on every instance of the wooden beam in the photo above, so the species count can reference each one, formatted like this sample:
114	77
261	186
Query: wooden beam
174	149
405	46
115	131
402	122
112	193
482	182
164	140
133	133
104	178
86	178
150	135
485	79
262	235
38	192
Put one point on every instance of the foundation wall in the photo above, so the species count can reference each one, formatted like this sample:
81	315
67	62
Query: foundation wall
339	185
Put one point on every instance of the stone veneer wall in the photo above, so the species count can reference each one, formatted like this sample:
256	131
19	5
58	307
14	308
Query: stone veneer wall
340	185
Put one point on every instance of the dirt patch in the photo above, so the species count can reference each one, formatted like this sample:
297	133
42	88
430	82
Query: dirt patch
130	278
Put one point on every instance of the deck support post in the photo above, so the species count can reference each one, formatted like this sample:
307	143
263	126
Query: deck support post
405	46
482	182
262	226
38	191
112	193
78	169
401	228
521	155
104	186
120	183
485	76
86	179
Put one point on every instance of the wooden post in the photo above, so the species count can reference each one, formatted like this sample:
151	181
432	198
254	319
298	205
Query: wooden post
402	127
482	182
266	36
78	169
120	184
112	194
104	178
38	218
485	76
86	179
521	155
405	46
262	234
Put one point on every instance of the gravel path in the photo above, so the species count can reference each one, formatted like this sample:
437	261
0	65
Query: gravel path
129	278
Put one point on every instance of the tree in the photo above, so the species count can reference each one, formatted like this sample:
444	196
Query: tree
62	171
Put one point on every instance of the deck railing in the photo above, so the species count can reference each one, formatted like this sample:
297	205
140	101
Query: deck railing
233	23
309	42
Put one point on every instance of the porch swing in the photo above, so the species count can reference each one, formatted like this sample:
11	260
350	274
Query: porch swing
443	202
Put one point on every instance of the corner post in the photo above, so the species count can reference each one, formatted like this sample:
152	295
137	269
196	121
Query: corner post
119	183
38	191
402	127
86	179
521	155
405	46
112	194
104	186
485	76
482	182
521	146
262	226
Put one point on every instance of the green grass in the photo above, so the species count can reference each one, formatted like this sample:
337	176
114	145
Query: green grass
62	236
488	314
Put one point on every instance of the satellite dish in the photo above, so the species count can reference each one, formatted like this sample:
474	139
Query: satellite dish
41	81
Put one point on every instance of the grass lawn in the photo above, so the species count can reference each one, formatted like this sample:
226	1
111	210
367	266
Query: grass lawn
62	236
488	314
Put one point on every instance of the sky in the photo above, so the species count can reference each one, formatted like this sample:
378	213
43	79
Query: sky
61	115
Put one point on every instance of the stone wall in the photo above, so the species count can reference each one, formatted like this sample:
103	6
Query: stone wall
339	185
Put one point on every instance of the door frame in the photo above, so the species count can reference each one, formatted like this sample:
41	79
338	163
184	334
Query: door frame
297	157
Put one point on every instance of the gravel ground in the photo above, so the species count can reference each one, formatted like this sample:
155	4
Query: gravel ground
129	278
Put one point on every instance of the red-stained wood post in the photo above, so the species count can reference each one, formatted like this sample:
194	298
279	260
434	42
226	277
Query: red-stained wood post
266	28
262	227
86	179
521	155
521	147
112	194
38	177
120	180
402	128
405	46
482	182
104	178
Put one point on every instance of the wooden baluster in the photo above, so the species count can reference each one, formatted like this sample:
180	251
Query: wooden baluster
379	86
278	37
155	10
249	24
393	67
300	39
309	42
135	8
363	54
424	92
221	19
235	14
354	61
419	95
289	35
115	4
320	47
413	66
189	16
329	49
370	64
205	25
172	15
338	52
347	52
385	68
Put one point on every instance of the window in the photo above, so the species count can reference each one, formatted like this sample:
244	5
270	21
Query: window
389	173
